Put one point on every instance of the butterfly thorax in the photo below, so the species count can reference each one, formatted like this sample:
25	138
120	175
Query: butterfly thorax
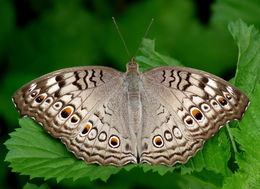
133	77
134	97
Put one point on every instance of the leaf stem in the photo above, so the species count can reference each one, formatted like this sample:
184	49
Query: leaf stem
231	138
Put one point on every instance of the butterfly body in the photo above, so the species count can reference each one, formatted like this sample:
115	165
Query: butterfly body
133	84
160	116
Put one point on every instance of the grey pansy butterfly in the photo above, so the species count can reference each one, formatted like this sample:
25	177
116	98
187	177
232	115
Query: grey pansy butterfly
160	116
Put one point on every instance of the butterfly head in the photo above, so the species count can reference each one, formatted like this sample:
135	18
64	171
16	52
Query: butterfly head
132	66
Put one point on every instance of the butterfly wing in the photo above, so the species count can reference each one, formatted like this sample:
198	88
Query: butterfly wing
182	108
79	106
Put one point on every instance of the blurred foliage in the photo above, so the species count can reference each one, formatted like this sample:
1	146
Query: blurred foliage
37	37
48	158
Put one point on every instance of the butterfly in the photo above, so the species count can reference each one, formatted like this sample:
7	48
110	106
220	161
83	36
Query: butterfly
159	116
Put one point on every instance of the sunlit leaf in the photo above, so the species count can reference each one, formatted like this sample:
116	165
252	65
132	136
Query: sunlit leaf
32	151
34	186
248	67
248	133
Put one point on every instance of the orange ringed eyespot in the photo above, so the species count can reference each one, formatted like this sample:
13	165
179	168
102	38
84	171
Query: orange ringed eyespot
189	121
66	112
228	96
157	141
74	119
86	128
40	98
197	114
114	141
222	101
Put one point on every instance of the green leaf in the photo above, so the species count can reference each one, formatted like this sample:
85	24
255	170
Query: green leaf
32	151
248	137
213	157
238	180
248	133
248	67
34	186
151	58
160	169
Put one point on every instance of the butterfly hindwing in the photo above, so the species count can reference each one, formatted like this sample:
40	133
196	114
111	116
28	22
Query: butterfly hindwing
161	137
106	138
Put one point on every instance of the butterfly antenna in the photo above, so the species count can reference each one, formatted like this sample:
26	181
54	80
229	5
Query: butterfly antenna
121	36
146	32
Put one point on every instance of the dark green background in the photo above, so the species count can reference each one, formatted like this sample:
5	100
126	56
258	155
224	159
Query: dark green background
37	37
